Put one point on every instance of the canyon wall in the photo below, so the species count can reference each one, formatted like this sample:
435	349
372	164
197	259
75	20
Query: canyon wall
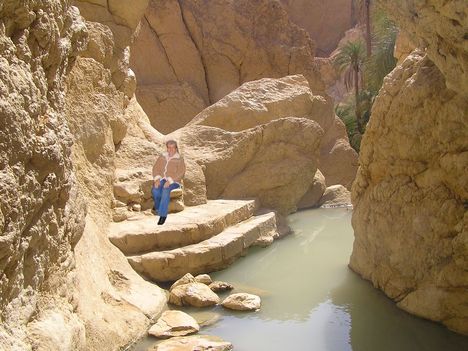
411	190
189	54
64	88
325	21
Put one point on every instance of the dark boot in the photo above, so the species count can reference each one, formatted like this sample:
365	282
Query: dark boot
161	220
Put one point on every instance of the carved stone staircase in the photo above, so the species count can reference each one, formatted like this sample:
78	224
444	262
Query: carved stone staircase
200	239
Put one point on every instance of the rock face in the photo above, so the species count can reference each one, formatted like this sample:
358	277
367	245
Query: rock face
445	41
325	21
39	202
410	194
235	164
61	117
190	54
268	99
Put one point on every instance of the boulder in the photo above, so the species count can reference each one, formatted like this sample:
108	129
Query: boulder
218	286
174	323
191	343
335	196
186	279
242	302
259	102
314	193
204	279
235	164
193	294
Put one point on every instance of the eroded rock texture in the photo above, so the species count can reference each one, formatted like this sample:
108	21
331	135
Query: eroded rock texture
63	286
440	26
410	194
190	54
262	101
411	190
42	215
325	21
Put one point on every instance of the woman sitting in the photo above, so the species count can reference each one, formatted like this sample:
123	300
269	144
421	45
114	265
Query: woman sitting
168	171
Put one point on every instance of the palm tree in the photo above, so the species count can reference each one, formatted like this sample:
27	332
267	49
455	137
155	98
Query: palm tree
350	59
364	6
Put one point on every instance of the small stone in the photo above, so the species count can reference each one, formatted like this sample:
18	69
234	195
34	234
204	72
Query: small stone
188	278
119	214
204	279
174	323
193	294
218	286
136	207
242	302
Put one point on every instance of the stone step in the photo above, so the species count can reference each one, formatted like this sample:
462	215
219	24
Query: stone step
190	226
210	255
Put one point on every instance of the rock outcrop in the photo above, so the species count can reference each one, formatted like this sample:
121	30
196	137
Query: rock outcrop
440	27
410	194
190	54
41	210
63	285
325	21
265	100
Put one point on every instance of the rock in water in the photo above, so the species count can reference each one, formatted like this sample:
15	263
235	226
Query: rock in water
192	343
193	294
242	302
174	323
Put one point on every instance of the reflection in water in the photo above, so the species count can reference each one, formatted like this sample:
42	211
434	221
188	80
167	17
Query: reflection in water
312	301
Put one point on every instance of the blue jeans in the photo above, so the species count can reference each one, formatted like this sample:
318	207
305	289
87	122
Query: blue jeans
162	196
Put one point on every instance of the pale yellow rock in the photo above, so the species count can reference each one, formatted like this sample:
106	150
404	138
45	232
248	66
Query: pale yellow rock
184	61
191	226
325	21
174	323
193	294
191	343
409	215
104	281
212	254
441	27
335	196
186	279
204	279
242	302
315	192
42	210
262	101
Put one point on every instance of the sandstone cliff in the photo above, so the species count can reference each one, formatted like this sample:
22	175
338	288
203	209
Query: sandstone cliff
411	190
63	286
42	213
190	54
325	21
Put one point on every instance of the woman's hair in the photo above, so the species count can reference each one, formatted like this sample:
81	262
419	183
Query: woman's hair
172	142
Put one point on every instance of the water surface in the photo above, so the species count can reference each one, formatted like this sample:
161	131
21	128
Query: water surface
312	301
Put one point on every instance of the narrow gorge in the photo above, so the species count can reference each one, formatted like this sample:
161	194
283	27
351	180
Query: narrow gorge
91	90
